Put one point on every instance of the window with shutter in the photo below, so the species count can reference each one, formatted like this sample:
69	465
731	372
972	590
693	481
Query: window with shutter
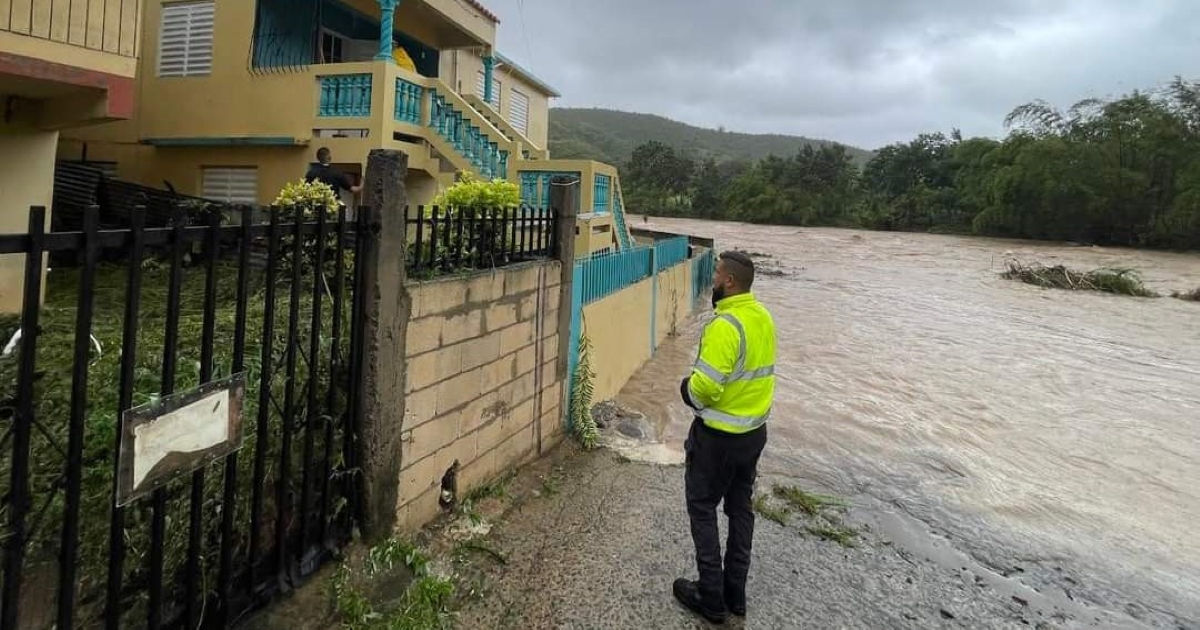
236	184
185	40
518	111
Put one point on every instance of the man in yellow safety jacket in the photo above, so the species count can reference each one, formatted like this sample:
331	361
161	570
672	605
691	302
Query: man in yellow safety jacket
731	388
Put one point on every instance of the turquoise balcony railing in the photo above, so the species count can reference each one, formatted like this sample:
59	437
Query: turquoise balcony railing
408	101
345	96
603	275
619	220
535	186
601	191
467	139
670	252
702	273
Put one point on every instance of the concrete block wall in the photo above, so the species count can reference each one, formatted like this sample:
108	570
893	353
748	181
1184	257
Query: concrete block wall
482	390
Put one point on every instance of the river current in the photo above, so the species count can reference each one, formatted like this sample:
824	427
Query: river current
1052	436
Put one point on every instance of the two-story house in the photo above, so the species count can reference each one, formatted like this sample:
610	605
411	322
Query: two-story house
235	97
63	64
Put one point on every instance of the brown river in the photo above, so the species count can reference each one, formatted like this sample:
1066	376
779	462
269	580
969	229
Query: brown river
1051	437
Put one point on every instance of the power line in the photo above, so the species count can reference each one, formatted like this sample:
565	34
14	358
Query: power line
525	35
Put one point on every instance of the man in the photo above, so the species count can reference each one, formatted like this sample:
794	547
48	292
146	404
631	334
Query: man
323	171
400	56
731	389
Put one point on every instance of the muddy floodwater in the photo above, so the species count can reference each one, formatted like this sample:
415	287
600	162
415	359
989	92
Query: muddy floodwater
1050	437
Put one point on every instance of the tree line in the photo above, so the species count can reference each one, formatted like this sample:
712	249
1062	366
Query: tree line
1122	171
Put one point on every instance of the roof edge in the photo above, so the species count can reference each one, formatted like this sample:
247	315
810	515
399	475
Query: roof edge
527	75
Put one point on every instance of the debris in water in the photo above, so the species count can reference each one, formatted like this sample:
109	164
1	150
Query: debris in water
1122	281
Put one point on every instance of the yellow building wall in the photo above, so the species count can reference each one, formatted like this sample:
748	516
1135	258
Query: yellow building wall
539	118
618	327
463	75
24	182
467	17
65	32
674	303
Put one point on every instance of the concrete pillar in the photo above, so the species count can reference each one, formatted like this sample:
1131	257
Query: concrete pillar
564	203
387	28
489	69
386	309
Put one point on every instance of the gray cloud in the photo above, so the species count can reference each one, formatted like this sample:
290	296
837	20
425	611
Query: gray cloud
864	72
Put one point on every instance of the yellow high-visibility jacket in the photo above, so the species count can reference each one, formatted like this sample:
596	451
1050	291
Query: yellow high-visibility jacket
732	384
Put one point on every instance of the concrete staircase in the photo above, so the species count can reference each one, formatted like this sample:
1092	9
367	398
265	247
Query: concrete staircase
527	149
465	140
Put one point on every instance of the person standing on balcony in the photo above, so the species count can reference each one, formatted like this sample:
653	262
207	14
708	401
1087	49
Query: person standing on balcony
400	56
324	172
730	389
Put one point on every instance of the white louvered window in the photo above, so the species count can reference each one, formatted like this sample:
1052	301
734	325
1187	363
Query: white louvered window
518	112
481	83
185	39
236	184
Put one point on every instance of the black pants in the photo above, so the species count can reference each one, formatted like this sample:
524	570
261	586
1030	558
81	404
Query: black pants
722	467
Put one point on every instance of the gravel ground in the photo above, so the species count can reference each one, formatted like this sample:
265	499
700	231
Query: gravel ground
593	540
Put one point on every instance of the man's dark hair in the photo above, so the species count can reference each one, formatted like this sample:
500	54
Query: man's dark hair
323	155
740	266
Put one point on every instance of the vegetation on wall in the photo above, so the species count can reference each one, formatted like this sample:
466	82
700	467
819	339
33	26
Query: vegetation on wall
1124	171
582	424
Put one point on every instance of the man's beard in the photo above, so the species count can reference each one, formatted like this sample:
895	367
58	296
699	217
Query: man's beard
718	294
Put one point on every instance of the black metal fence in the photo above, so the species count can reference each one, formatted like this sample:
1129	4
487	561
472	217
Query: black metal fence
444	239
224	538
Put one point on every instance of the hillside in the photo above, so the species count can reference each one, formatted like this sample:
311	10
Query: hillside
610	136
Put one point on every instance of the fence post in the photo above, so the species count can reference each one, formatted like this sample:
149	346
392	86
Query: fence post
387	306
653	297
564	204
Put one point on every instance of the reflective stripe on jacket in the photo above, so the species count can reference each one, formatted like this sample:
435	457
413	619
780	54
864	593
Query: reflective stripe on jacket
733	381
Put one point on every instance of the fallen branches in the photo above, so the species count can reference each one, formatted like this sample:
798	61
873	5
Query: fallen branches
1120	281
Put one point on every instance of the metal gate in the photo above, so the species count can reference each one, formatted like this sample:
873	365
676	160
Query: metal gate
272	303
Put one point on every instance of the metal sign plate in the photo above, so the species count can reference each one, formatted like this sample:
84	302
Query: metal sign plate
178	434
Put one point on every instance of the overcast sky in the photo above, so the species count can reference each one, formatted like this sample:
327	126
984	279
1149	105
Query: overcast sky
863	72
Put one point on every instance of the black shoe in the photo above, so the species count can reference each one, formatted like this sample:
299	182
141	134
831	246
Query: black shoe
688	594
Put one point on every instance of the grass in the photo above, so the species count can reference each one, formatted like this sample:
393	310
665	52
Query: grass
1118	281
52	409
465	547
551	484
1190	296
807	502
834	532
818	510
425	603
496	489
771	512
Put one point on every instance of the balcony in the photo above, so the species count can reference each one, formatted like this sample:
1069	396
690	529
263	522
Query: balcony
293	34
66	63
71	32
384	100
